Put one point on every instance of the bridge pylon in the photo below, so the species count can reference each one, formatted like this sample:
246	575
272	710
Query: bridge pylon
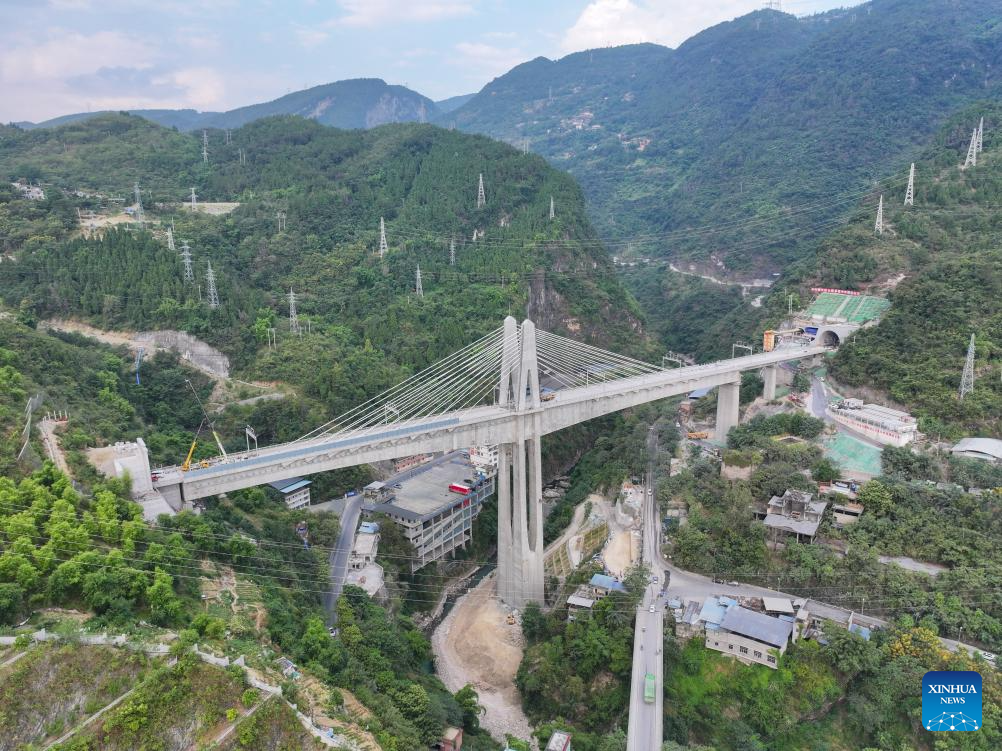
520	472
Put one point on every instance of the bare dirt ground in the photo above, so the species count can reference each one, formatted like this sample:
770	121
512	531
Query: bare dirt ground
474	644
619	552
213	208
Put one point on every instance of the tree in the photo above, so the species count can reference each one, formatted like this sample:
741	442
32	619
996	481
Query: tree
11	597
876	497
533	622
825	471
164	604
469	701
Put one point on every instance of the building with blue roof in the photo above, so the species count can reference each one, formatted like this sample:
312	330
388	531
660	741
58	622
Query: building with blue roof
602	585
295	491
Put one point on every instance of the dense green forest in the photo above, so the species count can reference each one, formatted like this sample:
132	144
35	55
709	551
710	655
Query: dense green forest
367	328
765	128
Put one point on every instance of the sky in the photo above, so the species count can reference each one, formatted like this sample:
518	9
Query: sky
63	56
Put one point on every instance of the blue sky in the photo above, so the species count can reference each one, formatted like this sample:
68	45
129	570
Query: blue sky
62	56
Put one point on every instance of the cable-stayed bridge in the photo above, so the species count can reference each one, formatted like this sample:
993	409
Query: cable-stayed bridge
509	388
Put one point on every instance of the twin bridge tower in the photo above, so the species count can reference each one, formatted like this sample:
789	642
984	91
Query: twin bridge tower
520	471
509	388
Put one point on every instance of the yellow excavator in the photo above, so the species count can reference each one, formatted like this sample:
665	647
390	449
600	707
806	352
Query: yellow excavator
205	421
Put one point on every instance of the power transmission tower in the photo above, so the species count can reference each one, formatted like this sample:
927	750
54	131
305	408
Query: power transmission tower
972	151
227	136
878	227
189	272
418	289
205	147
981	133
553	213
281	221
967	379
210	280
243	156
170	239
452	252
139	205
194	199
383	247
293	317
481	198
910	193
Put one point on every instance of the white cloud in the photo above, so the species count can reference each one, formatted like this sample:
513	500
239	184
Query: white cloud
202	88
310	37
70	53
488	60
611	22
376	12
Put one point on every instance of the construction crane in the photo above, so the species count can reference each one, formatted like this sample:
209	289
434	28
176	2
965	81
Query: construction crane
205	421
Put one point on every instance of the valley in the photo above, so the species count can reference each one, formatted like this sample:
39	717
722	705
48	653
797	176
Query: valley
646	399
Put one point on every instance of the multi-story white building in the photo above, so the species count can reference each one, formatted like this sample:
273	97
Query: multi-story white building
884	425
434	503
751	636
485	458
295	491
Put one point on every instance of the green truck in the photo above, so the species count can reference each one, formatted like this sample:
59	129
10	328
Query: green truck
649	688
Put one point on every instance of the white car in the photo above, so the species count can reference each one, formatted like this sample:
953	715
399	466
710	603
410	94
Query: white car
989	657
651	609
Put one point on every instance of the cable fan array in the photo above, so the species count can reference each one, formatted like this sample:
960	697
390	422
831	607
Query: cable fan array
565	363
466	379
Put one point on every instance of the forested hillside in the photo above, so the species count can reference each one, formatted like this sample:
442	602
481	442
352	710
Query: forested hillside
367	328
765	128
941	260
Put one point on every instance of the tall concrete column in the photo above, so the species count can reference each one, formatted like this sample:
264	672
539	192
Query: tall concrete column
505	553
532	573
769	376
727	407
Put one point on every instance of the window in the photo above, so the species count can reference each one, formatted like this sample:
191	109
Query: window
771	659
758	654
730	646
743	650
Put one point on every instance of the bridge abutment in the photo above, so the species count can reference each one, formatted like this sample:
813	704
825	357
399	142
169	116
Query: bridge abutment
727	407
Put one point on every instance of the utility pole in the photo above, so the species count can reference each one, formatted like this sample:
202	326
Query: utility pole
139	205
281	221
967	379
452	252
972	151
789	302
553	213
878	227
194	199
189	273
293	317
481	198
910	193
210	280
205	147
383	247
418	289
249	432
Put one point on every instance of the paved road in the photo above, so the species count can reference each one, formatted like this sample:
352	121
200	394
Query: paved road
339	555
646	717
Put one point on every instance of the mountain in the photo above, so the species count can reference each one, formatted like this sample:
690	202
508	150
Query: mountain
369	329
752	137
453	102
354	103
